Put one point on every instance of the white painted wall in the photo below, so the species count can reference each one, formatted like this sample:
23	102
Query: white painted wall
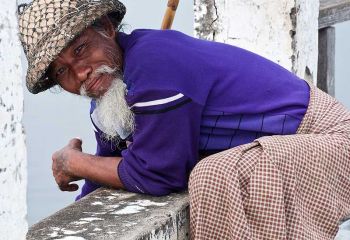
13	165
284	31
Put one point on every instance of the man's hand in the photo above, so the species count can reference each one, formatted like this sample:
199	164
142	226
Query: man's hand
62	161
70	164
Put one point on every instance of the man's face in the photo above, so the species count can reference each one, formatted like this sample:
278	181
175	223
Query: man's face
76	65
90	66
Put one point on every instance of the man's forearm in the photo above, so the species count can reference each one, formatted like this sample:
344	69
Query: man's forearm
102	170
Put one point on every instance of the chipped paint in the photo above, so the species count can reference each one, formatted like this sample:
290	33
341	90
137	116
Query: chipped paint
72	232
71	238
111	197
96	213
306	39
111	207
90	219
130	224
284	31
126	217
60	232
129	210
79	222
147	203
13	165
53	234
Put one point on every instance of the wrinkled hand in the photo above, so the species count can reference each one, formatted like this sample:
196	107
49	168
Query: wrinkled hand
62	165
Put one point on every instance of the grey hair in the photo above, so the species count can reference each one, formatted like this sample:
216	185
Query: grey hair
99	27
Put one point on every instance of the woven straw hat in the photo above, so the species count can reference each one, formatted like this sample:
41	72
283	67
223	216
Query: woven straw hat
48	26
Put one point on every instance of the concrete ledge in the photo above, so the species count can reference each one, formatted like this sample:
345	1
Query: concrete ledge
110	214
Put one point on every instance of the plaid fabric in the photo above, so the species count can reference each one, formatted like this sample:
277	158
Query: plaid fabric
278	187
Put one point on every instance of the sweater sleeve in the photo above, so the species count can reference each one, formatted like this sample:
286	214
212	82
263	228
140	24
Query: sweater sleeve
165	143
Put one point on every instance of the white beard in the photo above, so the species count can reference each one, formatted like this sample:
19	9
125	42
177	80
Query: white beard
113	115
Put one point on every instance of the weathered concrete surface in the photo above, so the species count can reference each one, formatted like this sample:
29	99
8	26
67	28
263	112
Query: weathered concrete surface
333	11
13	176
284	31
305	41
110	214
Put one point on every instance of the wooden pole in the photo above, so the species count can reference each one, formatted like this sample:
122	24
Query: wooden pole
170	14
326	60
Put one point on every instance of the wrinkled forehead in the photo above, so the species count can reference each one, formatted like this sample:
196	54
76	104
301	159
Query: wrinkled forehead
83	36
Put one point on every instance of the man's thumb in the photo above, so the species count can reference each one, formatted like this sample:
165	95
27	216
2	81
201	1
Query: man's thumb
75	143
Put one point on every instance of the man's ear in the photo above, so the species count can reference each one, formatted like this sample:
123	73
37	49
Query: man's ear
108	27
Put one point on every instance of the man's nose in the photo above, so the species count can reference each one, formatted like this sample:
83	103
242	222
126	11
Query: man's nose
82	72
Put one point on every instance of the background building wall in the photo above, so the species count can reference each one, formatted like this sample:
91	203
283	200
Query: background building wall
284	31
13	165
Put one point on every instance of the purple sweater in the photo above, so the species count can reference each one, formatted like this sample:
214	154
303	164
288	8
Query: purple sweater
194	97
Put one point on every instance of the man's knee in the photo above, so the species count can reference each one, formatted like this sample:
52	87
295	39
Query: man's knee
211	170
226	168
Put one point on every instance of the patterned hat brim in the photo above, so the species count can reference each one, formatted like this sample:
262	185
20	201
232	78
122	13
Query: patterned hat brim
59	38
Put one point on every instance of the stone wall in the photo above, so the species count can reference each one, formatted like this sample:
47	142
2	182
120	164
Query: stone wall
284	31
13	166
111	214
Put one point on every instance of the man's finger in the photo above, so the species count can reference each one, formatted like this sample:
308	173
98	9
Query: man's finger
69	187
72	187
75	143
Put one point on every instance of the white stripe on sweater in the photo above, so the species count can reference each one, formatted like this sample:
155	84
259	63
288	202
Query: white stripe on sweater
159	101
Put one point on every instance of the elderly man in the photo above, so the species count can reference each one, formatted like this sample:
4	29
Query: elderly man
176	99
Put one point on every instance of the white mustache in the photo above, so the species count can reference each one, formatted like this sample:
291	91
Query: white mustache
103	69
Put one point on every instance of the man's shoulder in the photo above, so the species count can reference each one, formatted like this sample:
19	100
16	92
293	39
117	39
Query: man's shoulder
151	35
150	51
155	62
149	42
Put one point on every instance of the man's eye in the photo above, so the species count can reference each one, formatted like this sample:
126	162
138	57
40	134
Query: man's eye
60	71
79	49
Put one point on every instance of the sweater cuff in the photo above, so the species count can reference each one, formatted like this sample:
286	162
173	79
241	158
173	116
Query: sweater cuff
126	179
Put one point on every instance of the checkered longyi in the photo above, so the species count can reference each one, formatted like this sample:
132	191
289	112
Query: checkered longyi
278	187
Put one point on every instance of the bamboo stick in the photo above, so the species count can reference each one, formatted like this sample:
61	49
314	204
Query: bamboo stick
170	14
